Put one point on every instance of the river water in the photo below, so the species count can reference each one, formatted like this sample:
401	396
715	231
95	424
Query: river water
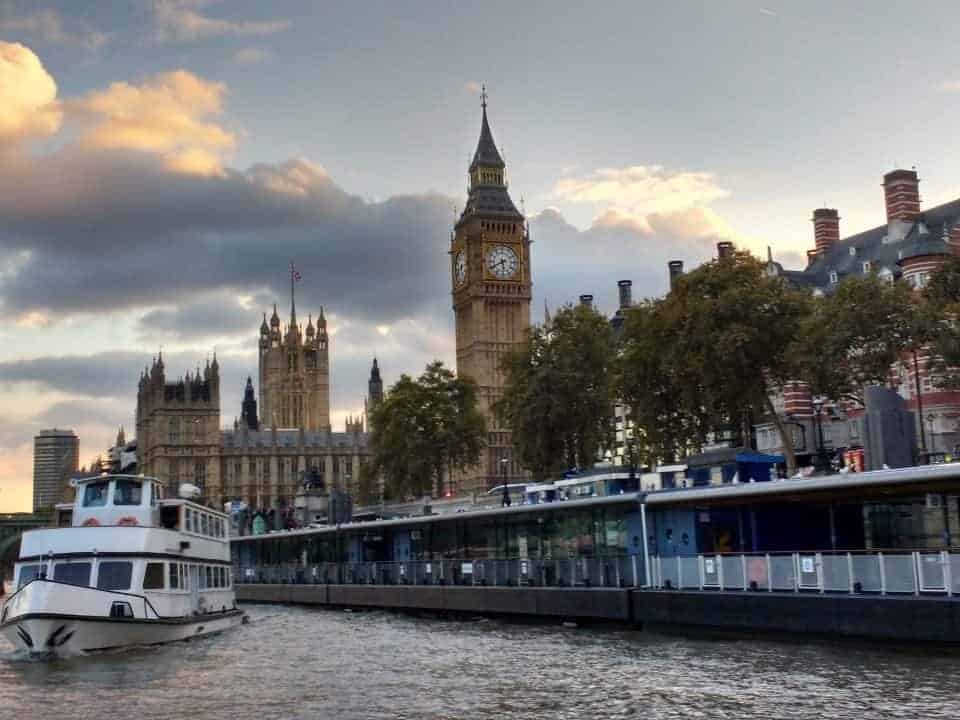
310	663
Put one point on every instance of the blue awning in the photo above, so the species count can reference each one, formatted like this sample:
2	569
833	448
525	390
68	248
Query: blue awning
755	457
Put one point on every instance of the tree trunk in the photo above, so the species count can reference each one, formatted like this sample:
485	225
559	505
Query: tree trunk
785	438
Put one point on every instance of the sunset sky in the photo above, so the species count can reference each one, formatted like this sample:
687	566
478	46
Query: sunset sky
162	162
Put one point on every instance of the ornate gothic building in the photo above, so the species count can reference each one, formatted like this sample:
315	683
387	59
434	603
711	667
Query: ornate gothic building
261	460
490	275
295	373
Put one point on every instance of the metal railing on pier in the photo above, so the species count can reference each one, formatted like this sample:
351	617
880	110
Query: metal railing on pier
614	572
883	573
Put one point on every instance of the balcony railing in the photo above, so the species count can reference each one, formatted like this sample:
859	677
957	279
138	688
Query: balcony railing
880	573
620	571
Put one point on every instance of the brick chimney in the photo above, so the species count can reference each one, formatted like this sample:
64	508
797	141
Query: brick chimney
626	293
901	191
826	228
676	270
724	249
586	301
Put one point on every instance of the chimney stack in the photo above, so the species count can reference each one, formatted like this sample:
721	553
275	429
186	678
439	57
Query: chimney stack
724	249
901	191
626	293
826	228
586	301
676	270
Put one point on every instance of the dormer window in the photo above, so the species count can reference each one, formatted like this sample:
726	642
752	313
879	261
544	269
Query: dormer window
867	267
853	252
833	277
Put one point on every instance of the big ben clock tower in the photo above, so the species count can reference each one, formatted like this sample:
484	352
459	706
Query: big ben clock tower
490	274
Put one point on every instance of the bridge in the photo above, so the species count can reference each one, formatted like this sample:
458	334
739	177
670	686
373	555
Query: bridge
12	526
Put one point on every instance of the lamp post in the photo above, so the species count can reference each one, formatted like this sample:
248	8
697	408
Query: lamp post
930	418
822	462
506	491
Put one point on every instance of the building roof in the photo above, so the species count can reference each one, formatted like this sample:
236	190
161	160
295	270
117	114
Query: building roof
884	253
486	154
290	438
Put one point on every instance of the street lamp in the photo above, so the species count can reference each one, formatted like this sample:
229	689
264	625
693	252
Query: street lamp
930	419
506	491
822	464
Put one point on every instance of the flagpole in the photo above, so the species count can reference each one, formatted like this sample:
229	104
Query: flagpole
293	303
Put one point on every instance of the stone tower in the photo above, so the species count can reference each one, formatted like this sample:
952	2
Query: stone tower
374	387
490	274
294	373
178	428
248	409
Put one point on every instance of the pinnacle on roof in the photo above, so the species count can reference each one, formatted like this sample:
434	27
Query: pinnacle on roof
486	153
275	319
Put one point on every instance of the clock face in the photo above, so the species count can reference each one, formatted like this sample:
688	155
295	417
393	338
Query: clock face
502	262
460	267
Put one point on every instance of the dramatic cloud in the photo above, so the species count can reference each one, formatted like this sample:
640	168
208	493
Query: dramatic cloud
48	26
181	20
215	315
167	115
641	189
251	56
28	95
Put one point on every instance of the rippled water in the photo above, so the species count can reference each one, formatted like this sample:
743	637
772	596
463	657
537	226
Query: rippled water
312	663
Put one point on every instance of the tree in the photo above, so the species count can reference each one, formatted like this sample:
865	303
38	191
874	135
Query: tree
854	336
424	429
558	392
709	356
940	308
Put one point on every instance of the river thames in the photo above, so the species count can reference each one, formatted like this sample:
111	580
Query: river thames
293	662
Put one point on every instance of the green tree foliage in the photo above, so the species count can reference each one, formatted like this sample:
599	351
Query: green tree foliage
558	393
854	335
940	308
709	355
424	430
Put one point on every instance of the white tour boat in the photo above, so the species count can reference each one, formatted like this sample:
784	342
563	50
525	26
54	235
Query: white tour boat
124	566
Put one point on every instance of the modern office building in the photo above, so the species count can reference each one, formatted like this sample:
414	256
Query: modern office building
56	457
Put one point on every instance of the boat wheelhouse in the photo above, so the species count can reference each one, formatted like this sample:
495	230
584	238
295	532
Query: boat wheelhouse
123	566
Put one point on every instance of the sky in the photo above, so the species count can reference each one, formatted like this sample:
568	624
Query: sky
163	161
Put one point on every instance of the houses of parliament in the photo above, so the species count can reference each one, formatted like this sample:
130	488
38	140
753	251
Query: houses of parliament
263	459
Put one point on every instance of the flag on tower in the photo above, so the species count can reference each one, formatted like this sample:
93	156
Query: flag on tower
294	273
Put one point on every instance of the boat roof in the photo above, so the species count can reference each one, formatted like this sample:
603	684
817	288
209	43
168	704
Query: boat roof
108	476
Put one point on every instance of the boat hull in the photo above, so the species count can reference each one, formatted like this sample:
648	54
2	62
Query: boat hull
64	635
51	618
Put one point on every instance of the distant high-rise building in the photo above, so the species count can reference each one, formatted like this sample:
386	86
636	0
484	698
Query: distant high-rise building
56	457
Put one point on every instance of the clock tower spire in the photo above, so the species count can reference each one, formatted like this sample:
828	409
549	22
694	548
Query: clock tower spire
490	257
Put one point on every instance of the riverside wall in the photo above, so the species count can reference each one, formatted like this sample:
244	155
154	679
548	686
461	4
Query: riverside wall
914	618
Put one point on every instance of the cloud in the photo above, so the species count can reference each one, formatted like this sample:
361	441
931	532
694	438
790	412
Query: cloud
641	189
472	87
28	95
950	86
216	315
48	26
767	11
166	115
181	20
251	56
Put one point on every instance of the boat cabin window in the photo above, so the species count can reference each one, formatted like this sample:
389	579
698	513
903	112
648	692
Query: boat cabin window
204	524
153	576
114	575
127	492
95	494
77	573
30	572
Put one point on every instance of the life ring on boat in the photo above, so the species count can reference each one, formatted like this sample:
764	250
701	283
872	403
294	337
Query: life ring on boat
127	521
91	522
